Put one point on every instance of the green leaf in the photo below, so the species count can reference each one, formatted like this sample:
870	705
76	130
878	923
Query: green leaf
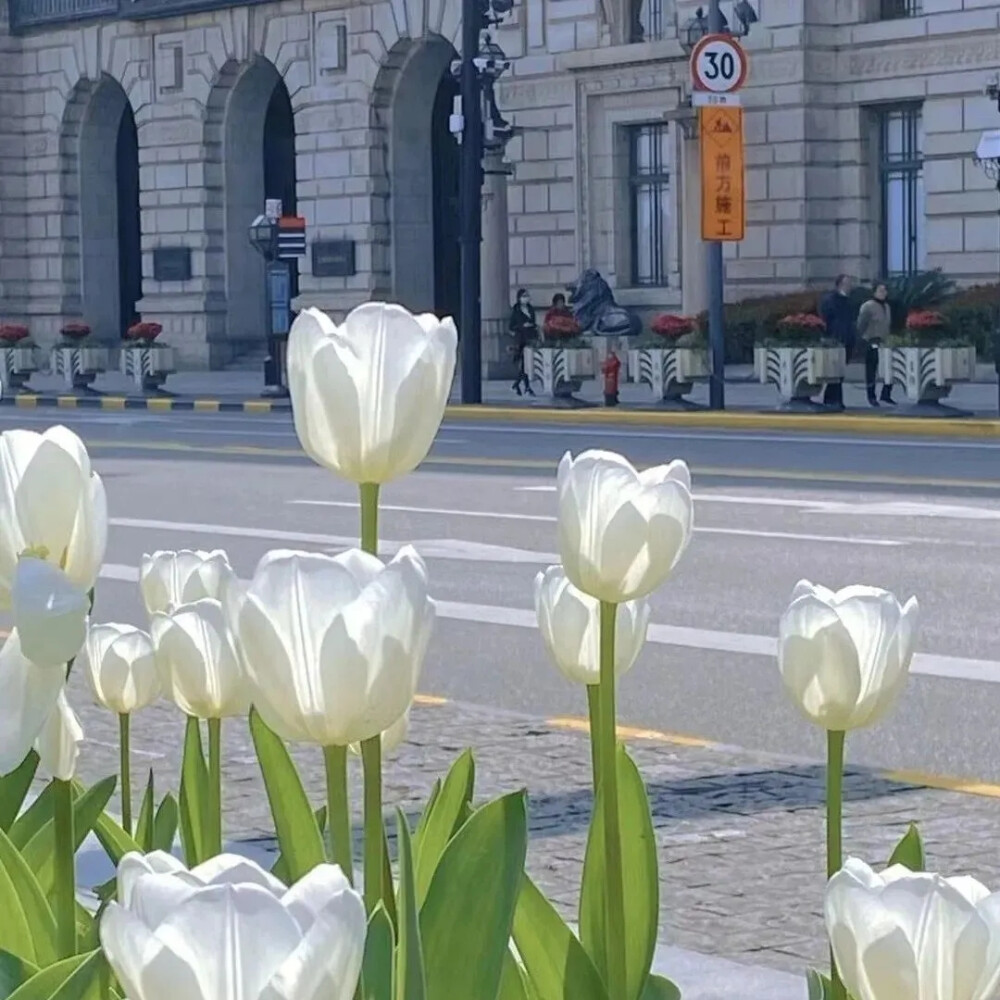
513	985
32	819
425	815
15	931
76	978
194	796
279	869
556	963
820	987
640	878
32	902
390	896
14	789
144	824
909	852
165	825
466	919
295	825
444	817
410	973
13	972
659	988
376	970
115	841
39	852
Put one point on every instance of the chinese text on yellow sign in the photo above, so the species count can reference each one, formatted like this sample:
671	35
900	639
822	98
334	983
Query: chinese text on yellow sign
723	198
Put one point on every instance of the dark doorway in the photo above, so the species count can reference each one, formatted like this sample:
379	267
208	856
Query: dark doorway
445	153
129	224
279	159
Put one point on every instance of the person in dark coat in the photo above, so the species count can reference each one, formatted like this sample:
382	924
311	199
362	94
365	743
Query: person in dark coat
524	330
837	312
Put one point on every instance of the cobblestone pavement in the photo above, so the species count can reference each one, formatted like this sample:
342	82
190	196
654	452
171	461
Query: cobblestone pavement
740	833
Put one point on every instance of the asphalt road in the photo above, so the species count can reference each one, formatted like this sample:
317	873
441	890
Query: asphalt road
920	517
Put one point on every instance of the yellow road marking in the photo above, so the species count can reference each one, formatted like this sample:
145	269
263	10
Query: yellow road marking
26	402
632	733
113	403
206	406
66	402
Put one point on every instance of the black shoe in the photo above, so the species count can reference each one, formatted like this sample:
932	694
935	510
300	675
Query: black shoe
529	390
517	388
887	398
872	400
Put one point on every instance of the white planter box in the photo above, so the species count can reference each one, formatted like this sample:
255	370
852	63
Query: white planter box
926	374
16	365
148	367
799	372
670	371
79	366
559	369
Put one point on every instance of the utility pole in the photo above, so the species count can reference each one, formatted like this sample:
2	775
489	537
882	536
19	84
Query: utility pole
470	319
716	311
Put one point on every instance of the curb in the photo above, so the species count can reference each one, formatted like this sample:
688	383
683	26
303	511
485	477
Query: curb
745	420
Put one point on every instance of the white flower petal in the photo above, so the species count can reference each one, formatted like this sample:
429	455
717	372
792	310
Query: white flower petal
50	612
58	743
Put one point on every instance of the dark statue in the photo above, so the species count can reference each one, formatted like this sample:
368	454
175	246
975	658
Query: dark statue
595	308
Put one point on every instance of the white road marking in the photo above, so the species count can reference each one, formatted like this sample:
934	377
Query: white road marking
741	643
494	515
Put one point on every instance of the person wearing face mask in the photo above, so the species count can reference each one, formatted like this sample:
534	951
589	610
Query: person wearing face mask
874	326
524	330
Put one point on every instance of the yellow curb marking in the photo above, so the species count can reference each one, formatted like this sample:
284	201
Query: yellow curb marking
160	405
257	406
66	402
26	402
113	403
966	786
206	406
429	699
632	733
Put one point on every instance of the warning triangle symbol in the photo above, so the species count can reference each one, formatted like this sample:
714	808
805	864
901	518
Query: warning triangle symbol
722	125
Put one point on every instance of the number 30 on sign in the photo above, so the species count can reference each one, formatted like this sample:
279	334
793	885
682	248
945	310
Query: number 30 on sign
718	65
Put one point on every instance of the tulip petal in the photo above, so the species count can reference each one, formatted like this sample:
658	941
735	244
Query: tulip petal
232	869
128	945
50	612
156	895
58	743
85	553
313	893
133	864
28	696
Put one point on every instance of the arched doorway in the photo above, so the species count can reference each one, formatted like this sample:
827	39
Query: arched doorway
423	180
259	157
108	248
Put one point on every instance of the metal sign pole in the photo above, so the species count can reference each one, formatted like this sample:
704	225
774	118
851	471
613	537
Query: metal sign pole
716	279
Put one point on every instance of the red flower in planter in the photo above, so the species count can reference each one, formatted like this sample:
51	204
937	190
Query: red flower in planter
670	326
147	332
806	324
925	319
75	330
11	333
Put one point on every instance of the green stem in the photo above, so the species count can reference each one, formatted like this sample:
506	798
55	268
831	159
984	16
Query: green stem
834	830
594	710
614	891
369	517
371	757
65	868
215	787
126	772
338	809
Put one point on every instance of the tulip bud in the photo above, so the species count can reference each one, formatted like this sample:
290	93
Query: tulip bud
570	623
228	928
368	397
197	662
621	532
844	657
119	662
168	579
334	645
907	934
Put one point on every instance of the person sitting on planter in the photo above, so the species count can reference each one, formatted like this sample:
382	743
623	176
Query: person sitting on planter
838	314
874	327
558	316
523	329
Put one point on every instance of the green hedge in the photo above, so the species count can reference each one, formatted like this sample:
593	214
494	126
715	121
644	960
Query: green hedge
973	317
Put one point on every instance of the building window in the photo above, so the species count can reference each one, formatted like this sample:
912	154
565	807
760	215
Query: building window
647	20
889	9
649	191
901	188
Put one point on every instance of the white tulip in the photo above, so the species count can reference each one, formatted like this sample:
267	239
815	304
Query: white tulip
621	532
58	743
49	611
334	645
168	579
197	662
570	623
29	695
229	930
844	657
908	935
368	396
119	662
52	505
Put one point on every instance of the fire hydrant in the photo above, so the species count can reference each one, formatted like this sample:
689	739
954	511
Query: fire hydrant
611	368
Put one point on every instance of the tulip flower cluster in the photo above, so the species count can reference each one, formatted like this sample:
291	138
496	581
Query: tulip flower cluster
327	651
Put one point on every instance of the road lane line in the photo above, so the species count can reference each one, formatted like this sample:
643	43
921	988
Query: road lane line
494	515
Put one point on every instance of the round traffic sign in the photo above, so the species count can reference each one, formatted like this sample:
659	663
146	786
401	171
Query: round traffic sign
719	64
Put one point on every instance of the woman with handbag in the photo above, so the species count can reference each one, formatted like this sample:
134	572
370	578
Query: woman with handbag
523	329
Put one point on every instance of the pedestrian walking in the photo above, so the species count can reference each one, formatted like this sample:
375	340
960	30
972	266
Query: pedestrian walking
523	329
874	326
838	314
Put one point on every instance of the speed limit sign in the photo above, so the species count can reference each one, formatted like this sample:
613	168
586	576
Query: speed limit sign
718	65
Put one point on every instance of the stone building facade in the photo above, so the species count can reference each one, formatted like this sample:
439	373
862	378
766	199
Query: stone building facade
128	126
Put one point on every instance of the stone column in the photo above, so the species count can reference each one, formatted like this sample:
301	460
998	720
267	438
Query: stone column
495	267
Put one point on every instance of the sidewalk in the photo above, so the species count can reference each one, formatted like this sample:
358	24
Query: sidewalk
740	833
